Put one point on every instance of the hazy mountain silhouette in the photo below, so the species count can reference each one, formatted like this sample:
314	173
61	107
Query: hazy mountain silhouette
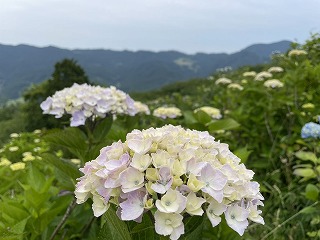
23	65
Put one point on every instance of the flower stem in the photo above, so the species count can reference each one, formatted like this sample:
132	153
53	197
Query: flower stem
64	218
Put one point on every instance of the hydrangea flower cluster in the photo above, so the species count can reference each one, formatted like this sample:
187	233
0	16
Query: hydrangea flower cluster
141	107
297	52
262	76
174	173
167	112
308	106
275	70
310	130
223	81
86	101
211	111
273	83
249	74
235	86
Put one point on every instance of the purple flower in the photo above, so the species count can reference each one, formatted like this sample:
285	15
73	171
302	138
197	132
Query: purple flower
132	208
77	119
164	182
214	181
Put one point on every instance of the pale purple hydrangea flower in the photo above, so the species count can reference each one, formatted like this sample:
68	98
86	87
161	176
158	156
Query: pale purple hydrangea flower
86	101
172	172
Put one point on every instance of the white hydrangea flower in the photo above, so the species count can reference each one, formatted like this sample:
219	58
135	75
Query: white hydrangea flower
235	86
273	83
140	161
169	224
99	206
131	179
171	172
14	135
223	81
194	204
172	202
86	101
211	111
4	161
275	70
297	52
167	112
254	213
262	76
17	166
249	74
236	217
214	211
13	148
141	107
308	106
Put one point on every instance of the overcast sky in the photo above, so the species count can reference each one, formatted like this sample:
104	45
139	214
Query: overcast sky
185	25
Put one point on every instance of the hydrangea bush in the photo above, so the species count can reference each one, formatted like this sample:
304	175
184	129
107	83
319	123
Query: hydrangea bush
173	173
249	74
21	148
86	101
223	81
211	111
141	107
167	112
262	76
273	83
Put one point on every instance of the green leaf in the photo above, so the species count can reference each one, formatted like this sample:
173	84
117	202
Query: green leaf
19	227
63	165
58	207
117	133
308	210
306	156
193	228
102	128
312	192
65	181
71	138
35	200
243	154
14	209
113	228
189	117
305	172
261	164
35	178
144	230
223	124
15	232
202	117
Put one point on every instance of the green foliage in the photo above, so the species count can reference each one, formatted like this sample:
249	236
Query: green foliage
66	73
11	120
113	227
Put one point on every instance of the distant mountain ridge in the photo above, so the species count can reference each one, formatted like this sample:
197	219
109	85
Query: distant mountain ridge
23	65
